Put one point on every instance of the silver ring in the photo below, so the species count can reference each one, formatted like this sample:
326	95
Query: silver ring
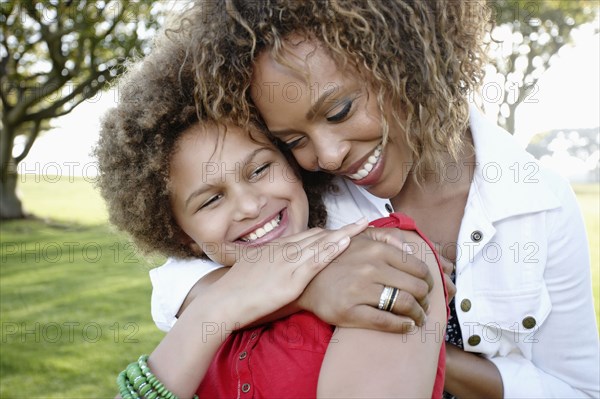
393	301
387	298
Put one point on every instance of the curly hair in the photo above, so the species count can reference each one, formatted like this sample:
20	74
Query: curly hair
421	56
138	139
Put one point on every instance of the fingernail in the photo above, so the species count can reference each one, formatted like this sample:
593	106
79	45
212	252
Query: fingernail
344	241
407	248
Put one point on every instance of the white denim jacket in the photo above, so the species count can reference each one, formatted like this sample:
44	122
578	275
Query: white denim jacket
524	297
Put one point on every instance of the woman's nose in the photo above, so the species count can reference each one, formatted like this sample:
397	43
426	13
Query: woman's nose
330	154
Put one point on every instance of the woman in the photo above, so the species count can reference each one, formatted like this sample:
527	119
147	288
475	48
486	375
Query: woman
376	92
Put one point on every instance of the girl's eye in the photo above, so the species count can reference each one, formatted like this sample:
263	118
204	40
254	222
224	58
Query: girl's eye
261	170
342	114
292	144
211	201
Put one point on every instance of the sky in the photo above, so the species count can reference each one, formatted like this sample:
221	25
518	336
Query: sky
568	97
569	93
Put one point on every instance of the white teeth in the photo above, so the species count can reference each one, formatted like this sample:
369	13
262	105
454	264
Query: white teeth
362	173
368	166
261	231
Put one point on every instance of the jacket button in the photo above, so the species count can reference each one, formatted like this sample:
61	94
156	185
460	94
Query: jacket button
245	387
476	236
529	322
465	305
474	340
243	355
389	208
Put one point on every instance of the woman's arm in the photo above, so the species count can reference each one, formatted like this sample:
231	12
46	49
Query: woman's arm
560	357
344	294
367	363
565	355
471	375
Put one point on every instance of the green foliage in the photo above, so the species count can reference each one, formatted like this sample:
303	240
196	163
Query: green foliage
55	55
527	37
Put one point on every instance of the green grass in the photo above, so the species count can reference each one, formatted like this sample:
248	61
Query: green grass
75	296
62	198
588	196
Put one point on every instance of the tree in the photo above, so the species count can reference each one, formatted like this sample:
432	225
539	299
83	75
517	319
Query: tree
525	42
55	54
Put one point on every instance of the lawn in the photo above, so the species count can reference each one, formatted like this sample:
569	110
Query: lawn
75	295
588	197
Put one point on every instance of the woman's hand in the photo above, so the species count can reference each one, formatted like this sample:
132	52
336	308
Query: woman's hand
270	276
347	292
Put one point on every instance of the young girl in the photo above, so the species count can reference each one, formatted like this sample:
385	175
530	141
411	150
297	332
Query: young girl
377	93
195	188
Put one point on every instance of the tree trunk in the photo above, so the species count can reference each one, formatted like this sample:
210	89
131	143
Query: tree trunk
509	123
10	204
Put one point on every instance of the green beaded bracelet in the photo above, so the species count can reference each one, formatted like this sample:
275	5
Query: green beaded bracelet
137	382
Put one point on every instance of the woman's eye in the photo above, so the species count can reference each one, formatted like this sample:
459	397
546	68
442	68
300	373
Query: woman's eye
211	201
292	144
342	114
261	170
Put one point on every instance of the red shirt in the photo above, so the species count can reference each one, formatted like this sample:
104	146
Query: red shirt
283	359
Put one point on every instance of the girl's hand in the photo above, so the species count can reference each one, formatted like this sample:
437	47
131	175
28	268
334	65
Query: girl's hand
347	292
270	276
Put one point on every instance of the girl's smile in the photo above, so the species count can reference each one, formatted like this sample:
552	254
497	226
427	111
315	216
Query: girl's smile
229	191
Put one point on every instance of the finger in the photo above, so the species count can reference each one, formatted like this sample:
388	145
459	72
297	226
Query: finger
395	237
370	318
309	237
325	244
355	228
301	236
447	266
349	230
405	282
309	264
406	305
450	287
412	266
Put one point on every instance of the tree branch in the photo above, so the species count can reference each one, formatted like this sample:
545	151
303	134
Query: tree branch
36	95
35	130
55	107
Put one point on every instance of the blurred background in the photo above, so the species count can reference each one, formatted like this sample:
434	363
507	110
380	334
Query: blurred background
75	294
